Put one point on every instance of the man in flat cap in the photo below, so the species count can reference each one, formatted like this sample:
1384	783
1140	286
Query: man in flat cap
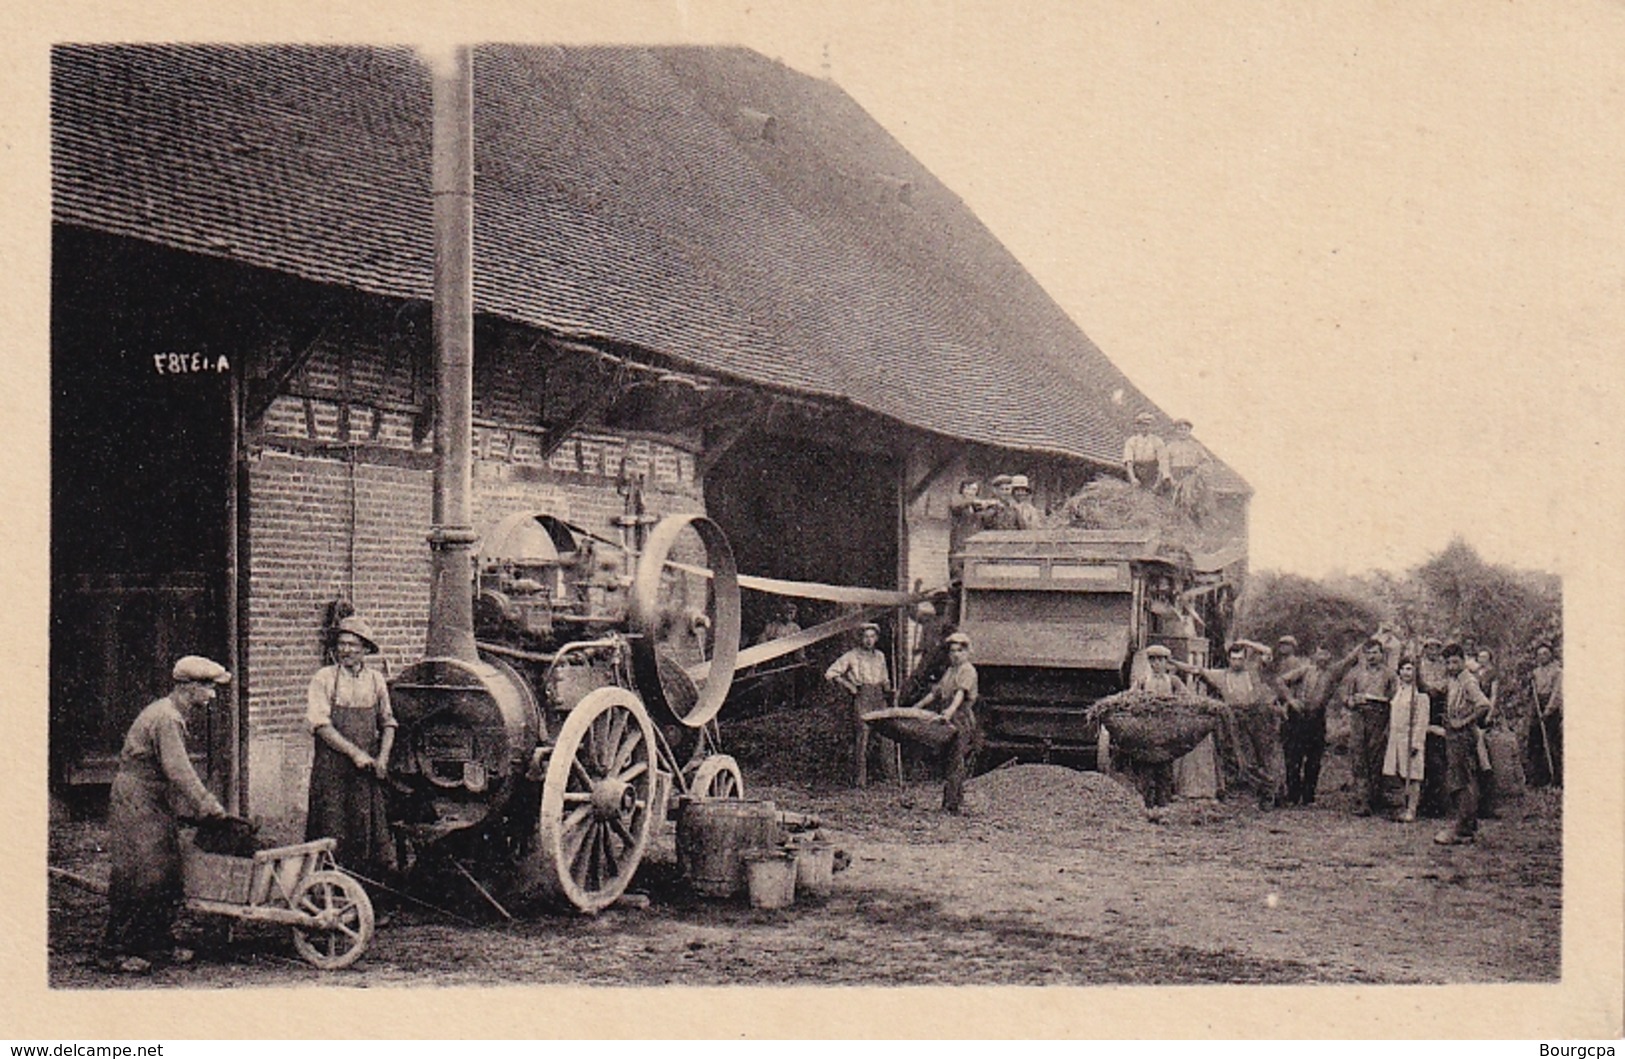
1002	514
954	695
863	674
154	775
1157	679
1145	457
1156	781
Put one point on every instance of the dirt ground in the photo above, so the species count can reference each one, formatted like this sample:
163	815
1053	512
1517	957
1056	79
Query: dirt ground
1210	892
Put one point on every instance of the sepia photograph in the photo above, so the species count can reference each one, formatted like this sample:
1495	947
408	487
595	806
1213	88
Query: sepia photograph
940	498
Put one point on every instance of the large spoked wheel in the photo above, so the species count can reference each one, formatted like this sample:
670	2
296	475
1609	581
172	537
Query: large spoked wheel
341	920
685	613
597	799
717	777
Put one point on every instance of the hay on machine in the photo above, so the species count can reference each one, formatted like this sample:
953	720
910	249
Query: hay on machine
1155	729
1183	521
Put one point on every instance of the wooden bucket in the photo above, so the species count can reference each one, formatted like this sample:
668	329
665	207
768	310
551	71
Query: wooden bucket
815	867
715	835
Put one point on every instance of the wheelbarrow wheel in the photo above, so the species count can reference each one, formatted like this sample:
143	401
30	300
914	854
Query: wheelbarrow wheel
341	920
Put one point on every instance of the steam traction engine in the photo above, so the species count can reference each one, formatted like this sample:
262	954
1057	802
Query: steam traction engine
548	758
541	758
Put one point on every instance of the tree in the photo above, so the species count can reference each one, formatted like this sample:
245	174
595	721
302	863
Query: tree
1504	609
1318	615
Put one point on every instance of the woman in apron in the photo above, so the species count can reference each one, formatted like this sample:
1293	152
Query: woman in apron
354	727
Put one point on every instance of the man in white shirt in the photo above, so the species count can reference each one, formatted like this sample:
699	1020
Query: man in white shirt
1145	457
863	673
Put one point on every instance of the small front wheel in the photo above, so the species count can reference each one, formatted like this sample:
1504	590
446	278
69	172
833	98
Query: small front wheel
341	920
717	777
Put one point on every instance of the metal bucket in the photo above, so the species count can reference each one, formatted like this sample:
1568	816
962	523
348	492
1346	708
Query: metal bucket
815	867
772	878
713	837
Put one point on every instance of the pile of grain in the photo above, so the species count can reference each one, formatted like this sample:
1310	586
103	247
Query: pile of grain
1050	798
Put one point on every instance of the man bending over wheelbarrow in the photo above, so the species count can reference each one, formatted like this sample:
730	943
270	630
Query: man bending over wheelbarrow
144	891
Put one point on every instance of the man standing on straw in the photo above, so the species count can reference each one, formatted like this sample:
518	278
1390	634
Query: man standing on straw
1145	457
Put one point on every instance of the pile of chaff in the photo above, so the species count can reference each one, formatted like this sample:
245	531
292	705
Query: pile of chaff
1052	800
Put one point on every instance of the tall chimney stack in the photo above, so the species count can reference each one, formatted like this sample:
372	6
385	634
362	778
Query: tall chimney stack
451	538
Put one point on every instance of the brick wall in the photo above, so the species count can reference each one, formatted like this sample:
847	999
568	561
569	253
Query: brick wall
334	518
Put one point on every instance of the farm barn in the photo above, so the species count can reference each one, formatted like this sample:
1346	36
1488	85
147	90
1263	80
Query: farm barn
703	282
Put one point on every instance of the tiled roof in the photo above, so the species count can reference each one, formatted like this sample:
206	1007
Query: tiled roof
706	204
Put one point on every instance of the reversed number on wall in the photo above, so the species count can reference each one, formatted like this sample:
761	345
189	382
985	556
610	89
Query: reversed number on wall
188	363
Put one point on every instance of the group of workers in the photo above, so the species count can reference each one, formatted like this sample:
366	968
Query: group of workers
1420	718
1158	465
1010	507
156	788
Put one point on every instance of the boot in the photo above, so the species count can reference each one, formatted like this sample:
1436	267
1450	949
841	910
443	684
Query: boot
1413	798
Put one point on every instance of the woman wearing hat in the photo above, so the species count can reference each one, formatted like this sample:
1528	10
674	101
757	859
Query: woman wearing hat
154	772
349	712
956	693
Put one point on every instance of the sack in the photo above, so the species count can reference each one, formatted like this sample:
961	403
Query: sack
1506	762
1483	750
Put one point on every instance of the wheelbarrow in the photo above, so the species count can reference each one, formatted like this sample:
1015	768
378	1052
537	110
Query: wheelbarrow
298	886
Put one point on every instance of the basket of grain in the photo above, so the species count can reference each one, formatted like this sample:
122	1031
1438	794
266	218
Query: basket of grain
909	725
1154	729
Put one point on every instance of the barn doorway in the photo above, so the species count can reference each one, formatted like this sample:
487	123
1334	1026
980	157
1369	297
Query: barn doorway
141	498
804	511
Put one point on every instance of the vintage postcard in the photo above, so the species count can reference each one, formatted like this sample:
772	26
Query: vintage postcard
699	512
